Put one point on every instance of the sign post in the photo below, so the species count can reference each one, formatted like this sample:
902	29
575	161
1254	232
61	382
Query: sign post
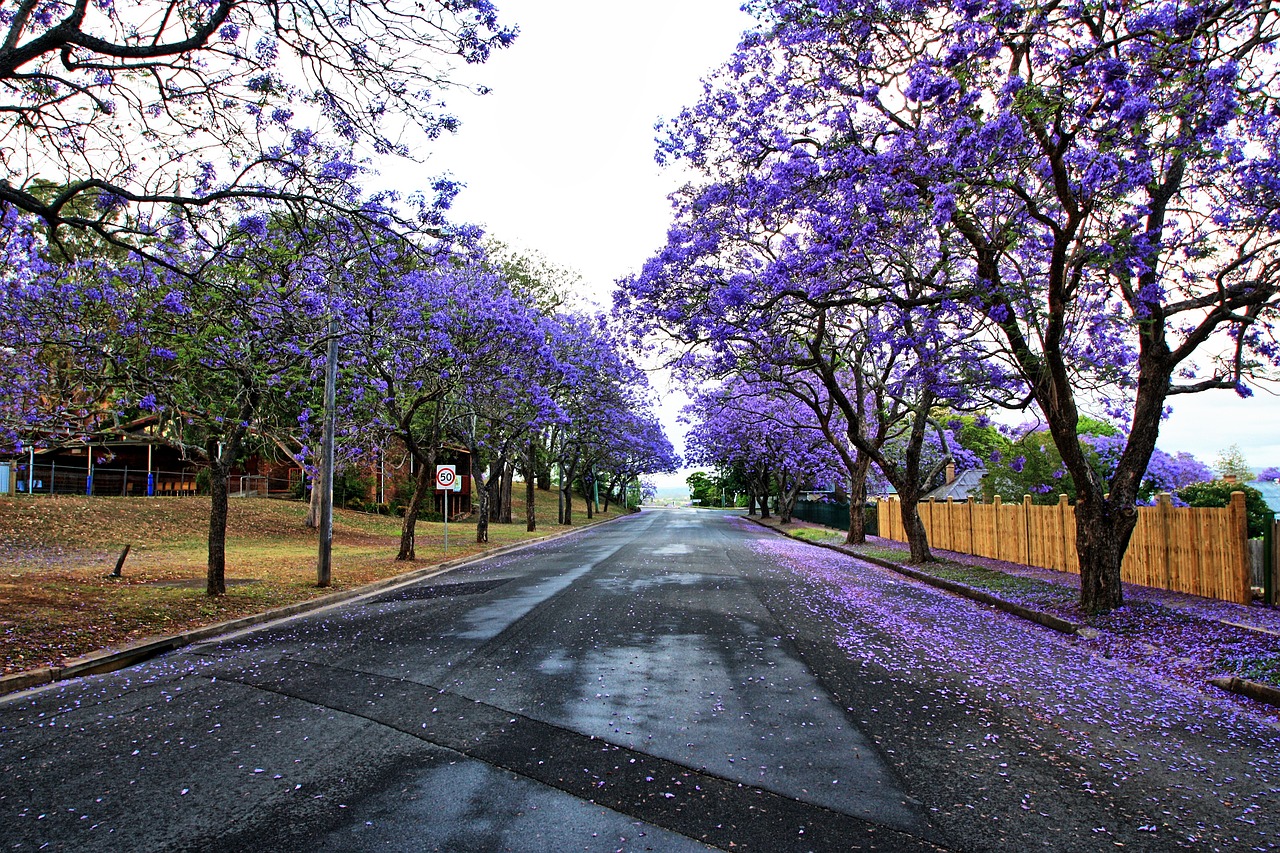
446	481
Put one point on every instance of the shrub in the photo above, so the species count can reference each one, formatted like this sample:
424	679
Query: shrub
1218	493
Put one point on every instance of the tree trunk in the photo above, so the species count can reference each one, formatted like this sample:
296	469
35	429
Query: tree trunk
751	502
313	506
858	501
221	455
764	504
493	489
480	488
216	582
1103	531
788	494
508	482
917	538
530	511
560	498
857	534
566	493
422	483
588	495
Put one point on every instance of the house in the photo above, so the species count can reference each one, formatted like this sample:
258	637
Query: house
133	459
958	486
391	470
1270	490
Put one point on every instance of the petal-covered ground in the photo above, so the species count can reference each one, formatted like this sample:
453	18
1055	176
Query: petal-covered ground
1127	712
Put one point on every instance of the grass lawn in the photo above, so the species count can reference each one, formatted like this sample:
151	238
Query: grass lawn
58	601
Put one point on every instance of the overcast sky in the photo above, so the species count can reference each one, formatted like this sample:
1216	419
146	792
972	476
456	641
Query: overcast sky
559	159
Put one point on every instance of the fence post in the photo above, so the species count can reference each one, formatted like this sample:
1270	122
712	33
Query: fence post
973	547
951	524
1063	540
931	530
1164	516
1026	530
995	527
1240	531
1269	560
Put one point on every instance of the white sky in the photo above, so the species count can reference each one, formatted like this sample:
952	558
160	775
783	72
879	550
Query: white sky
559	159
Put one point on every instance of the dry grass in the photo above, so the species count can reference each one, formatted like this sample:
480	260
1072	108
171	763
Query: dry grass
58	601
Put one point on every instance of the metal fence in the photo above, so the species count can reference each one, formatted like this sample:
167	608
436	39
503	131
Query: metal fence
834	515
54	479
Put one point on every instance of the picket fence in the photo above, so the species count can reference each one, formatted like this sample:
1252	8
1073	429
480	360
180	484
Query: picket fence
1199	550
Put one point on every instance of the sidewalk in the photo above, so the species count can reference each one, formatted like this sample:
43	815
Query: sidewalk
1202	643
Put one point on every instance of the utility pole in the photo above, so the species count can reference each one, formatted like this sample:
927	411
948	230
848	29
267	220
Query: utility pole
324	562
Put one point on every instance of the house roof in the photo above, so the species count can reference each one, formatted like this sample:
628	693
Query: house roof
966	484
1270	493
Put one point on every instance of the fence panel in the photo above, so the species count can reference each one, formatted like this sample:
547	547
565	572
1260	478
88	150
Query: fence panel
1198	550
836	515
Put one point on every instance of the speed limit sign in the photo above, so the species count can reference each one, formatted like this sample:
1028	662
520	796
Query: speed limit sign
446	476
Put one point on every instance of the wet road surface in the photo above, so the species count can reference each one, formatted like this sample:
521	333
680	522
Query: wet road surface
664	682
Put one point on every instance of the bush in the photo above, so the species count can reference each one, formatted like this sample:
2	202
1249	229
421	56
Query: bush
1218	493
351	487
425	512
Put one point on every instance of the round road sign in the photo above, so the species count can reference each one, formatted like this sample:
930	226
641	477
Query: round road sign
445	476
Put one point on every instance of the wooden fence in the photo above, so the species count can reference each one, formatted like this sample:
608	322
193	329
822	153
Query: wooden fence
1200	550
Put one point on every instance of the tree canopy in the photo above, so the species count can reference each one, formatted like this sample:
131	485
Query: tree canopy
1086	196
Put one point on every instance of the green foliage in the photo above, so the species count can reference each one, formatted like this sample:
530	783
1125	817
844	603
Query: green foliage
1231	461
351	487
978	435
532	276
1218	493
703	490
1033	466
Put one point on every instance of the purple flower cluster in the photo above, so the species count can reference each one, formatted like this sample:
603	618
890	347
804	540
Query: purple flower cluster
954	207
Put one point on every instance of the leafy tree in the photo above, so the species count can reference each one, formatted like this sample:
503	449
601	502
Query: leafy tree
432	350
219	359
761	435
1231	462
177	109
1032	465
1218	493
703	490
1169	473
1105	180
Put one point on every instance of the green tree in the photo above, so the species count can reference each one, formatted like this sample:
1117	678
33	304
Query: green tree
703	490
1231	462
1032	464
1218	493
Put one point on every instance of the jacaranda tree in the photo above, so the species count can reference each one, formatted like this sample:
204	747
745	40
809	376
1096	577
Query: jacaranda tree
766	433
164	107
1106	174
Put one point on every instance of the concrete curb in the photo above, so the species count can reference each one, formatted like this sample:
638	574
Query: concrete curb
110	660
1255	690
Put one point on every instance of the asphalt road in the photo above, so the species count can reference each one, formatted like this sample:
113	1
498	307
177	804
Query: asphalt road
673	681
